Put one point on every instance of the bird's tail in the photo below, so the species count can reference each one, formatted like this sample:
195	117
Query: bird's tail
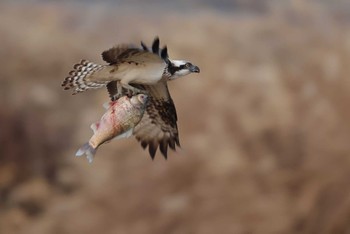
88	150
77	77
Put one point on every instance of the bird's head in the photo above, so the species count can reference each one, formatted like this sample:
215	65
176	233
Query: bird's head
174	68
178	68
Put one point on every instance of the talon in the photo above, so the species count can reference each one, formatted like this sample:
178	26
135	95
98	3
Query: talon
131	89
129	93
117	96
136	92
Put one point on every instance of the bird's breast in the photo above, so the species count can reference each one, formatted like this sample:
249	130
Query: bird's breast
142	74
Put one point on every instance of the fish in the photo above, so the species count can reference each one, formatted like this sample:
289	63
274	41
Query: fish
117	122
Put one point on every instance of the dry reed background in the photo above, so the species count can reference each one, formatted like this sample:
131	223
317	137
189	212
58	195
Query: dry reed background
265	127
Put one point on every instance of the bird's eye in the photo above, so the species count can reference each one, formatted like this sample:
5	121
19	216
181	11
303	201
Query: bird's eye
188	65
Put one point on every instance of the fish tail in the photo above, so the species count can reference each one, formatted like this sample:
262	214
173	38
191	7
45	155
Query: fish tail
77	78
88	150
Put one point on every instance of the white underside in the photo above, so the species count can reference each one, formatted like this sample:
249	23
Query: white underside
141	75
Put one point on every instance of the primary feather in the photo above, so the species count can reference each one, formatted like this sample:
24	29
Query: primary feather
158	126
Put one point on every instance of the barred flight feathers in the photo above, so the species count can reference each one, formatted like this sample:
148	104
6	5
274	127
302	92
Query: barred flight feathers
77	77
158	127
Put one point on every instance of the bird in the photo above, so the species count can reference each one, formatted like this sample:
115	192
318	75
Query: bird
138	70
127	64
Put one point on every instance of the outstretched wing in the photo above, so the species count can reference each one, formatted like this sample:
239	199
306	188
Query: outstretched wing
130	53
111	55
158	127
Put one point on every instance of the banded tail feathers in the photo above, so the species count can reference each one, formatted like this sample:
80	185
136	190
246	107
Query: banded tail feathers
77	78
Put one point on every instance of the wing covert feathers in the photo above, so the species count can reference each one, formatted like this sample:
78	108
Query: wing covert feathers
111	55
127	52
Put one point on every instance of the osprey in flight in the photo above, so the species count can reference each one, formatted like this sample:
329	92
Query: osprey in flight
138	70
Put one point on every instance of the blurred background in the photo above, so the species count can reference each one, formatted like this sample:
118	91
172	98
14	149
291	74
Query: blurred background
264	127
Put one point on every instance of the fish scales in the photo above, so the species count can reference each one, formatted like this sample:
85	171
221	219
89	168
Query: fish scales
118	121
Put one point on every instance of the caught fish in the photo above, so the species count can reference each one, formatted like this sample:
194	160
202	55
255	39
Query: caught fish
118	122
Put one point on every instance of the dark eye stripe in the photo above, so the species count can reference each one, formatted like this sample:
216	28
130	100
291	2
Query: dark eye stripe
172	69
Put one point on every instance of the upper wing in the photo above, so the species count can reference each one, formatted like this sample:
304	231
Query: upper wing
111	55
126	53
158	125
124	60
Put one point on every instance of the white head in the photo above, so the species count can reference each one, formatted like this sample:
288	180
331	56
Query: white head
178	68
175	68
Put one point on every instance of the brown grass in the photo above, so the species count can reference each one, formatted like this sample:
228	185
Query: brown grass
264	127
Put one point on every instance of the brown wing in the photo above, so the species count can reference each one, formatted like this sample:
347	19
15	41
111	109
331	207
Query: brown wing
111	55
125	53
158	126
112	89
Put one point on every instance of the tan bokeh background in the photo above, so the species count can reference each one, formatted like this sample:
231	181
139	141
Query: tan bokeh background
264	127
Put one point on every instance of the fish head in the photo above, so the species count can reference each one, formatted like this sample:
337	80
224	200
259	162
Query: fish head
139	99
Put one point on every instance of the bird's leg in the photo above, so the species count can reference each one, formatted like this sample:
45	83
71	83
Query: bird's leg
119	89
128	93
131	89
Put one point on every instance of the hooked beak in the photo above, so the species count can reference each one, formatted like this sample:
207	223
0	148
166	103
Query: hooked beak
194	69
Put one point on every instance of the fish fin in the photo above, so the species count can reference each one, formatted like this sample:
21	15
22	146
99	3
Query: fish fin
125	134
88	150
106	105
94	126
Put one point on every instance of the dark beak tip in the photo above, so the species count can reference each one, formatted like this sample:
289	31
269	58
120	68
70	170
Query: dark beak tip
196	69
